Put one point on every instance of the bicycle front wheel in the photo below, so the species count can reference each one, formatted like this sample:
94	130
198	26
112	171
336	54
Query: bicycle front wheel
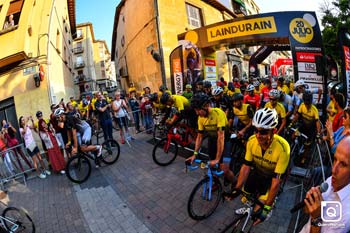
164	152
78	169
202	203
110	151
239	225
17	220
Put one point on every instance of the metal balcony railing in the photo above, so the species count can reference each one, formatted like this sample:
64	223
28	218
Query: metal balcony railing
78	50
78	65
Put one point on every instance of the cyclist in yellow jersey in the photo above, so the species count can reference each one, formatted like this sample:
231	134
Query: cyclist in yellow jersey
240	118
274	96
83	109
281	86
212	121
308	116
266	160
182	108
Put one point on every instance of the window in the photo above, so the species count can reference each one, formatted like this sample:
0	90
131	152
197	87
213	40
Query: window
194	16
80	60
80	72
13	14
58	45
29	70
102	64
79	33
103	73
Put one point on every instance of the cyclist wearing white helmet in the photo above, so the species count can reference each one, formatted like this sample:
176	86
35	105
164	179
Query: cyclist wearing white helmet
251	97
274	96
268	154
74	125
299	88
220	99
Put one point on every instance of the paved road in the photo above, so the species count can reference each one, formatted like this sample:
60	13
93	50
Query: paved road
133	195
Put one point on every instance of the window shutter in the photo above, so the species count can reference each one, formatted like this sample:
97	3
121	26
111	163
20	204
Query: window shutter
15	7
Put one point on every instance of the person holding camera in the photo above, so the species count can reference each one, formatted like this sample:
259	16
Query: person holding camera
325	214
32	148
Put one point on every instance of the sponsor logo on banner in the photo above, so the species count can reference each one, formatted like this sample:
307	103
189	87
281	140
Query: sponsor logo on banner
178	79
307	67
306	57
301	30
209	62
310	77
347	57
242	28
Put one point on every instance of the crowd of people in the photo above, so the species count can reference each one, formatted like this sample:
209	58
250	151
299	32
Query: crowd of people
258	111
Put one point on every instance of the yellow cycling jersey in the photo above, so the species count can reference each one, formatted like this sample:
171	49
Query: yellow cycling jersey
180	102
83	109
215	120
281	111
331	110
309	115
284	89
230	93
93	103
74	103
244	114
274	160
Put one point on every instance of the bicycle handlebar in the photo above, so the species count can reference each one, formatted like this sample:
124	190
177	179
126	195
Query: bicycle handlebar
300	134
204	164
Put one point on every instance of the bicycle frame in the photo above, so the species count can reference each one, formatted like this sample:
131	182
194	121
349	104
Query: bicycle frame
185	140
15	226
210	173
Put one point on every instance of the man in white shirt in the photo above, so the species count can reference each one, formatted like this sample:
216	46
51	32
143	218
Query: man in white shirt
334	217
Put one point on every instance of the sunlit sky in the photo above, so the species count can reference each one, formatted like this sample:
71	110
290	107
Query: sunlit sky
101	13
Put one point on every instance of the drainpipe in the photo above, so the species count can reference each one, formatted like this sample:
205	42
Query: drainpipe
159	40
48	55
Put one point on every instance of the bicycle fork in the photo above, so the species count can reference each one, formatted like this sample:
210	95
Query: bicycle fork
206	193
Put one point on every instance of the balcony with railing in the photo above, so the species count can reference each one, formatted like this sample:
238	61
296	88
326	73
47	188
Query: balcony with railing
78	65
81	79
78	49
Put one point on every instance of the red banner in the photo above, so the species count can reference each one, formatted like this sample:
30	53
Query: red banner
306	57
347	58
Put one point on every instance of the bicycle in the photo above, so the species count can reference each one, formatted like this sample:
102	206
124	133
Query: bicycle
208	192
244	222
166	149
159	129
16	220
78	168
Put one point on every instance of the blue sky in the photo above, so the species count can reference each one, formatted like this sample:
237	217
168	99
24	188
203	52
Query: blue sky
100	14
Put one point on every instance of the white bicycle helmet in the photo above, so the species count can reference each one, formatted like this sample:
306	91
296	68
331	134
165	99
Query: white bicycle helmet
58	112
256	83
299	83
274	85
274	93
217	91
250	87
265	118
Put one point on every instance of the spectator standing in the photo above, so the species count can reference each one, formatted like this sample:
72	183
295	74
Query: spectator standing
55	156
147	112
339	104
188	92
104	115
135	108
119	108
10	136
33	150
5	155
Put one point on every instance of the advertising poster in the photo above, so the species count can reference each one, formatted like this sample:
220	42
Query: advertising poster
210	69
192	63
176	70
347	69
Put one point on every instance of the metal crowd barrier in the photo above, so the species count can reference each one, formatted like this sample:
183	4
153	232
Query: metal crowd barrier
14	164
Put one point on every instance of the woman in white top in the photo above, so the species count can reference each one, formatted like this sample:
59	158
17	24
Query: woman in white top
119	107
32	148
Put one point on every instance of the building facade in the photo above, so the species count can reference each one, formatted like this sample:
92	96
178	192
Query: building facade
36	68
92	62
144	37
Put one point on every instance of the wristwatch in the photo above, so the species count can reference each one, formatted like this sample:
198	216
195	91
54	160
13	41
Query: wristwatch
316	222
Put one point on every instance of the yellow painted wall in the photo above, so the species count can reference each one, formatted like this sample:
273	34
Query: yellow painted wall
58	79
138	25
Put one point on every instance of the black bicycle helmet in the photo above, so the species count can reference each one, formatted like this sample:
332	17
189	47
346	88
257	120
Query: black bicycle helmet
199	100
237	96
207	84
165	98
153	97
307	97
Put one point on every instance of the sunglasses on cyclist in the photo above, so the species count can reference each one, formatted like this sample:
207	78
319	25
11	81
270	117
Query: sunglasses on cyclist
261	131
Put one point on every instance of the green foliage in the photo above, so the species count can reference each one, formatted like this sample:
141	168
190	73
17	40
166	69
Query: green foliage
335	15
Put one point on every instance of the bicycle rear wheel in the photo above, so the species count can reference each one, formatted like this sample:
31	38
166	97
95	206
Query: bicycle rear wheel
200	204
110	151
238	223
17	220
78	169
164	152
